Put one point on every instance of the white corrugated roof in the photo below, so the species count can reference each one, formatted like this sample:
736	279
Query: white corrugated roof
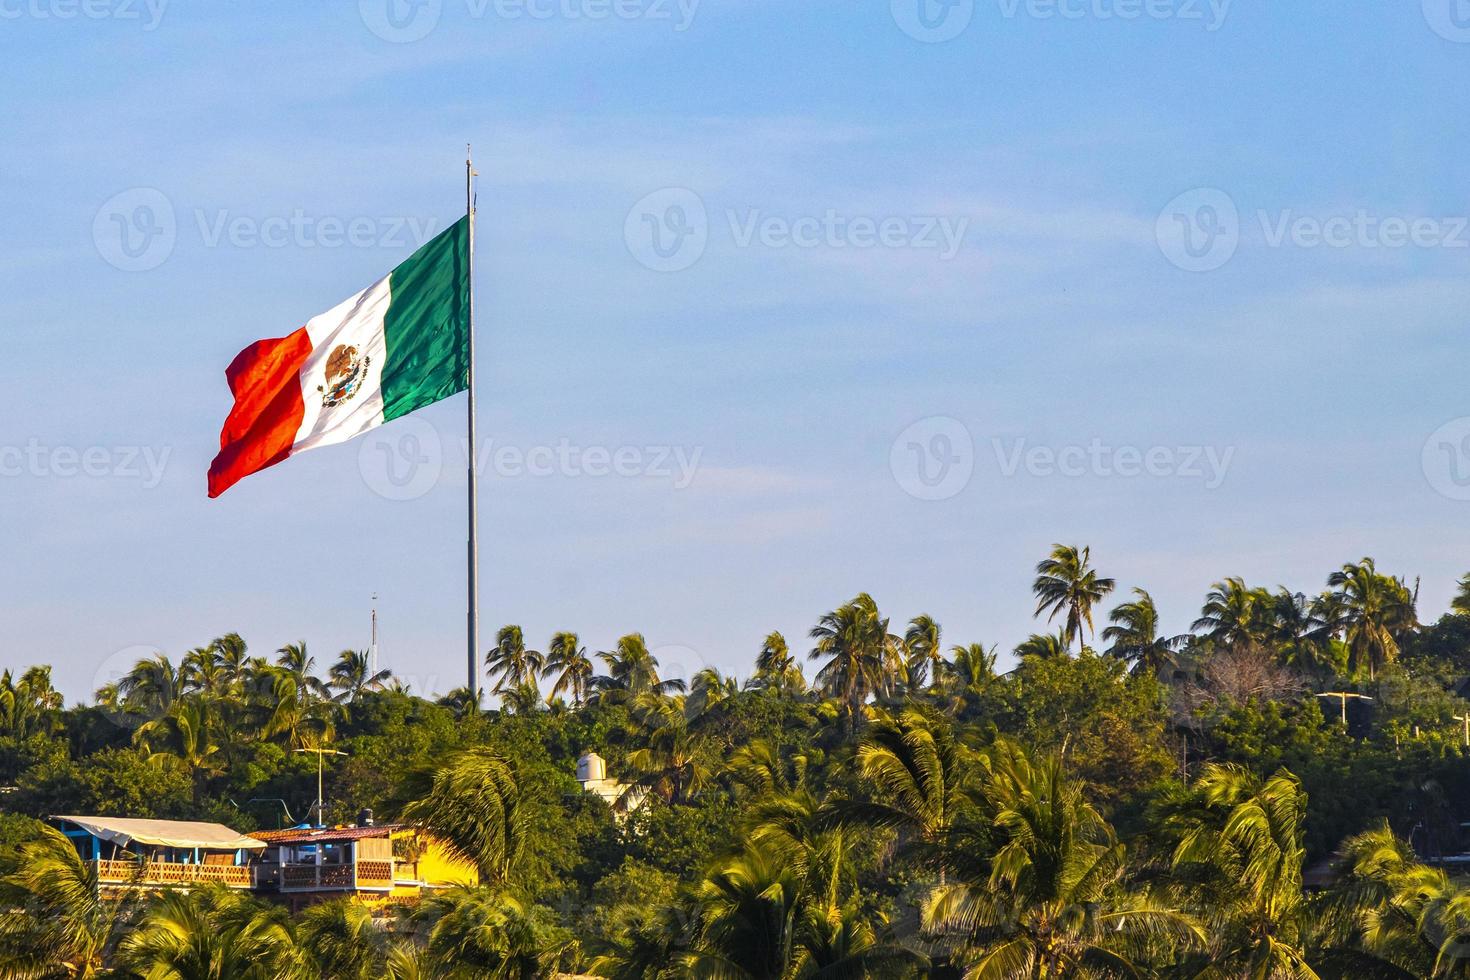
165	833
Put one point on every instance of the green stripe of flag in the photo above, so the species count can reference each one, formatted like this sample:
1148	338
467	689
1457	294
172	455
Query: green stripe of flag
427	326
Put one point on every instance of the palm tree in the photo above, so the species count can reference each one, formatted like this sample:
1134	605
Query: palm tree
211	933
711	695
29	706
764	769
1051	902
968	673
200	671
1135	636
1377	611
407	961
654	945
231	655
510	663
1234	616
1240	852
673	763
343	941
523	700
294	659
352	675
1044	646
568	660
759	921
463	702
1460	604
1389	915
752	905
776	668
632	670
293	712
925	652
1067	585
151	687
56	923
774	658
473	805
841	943
473	933
186	736
920	772
863	657
1297	631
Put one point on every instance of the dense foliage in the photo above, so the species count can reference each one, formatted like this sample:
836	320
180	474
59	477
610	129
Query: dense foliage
1270	794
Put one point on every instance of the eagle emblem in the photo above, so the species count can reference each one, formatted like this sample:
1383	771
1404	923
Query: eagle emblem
346	371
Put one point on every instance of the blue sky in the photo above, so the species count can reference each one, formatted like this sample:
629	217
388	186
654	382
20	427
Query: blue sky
803	382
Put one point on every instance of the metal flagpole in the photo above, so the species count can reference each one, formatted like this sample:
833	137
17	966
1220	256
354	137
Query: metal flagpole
473	683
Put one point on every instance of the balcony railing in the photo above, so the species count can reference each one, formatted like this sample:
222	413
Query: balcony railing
168	873
370	875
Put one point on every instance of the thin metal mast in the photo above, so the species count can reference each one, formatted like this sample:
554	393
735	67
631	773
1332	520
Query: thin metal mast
373	669
473	661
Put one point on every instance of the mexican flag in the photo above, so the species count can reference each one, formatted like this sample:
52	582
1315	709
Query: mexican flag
395	347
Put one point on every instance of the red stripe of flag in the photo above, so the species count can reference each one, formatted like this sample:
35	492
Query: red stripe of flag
265	380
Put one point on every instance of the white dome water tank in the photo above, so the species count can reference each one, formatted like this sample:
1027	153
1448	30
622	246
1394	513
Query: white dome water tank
591	768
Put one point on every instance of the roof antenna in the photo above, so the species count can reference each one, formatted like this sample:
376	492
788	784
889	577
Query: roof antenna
373	647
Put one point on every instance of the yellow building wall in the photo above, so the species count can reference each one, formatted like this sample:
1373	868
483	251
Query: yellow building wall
437	869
